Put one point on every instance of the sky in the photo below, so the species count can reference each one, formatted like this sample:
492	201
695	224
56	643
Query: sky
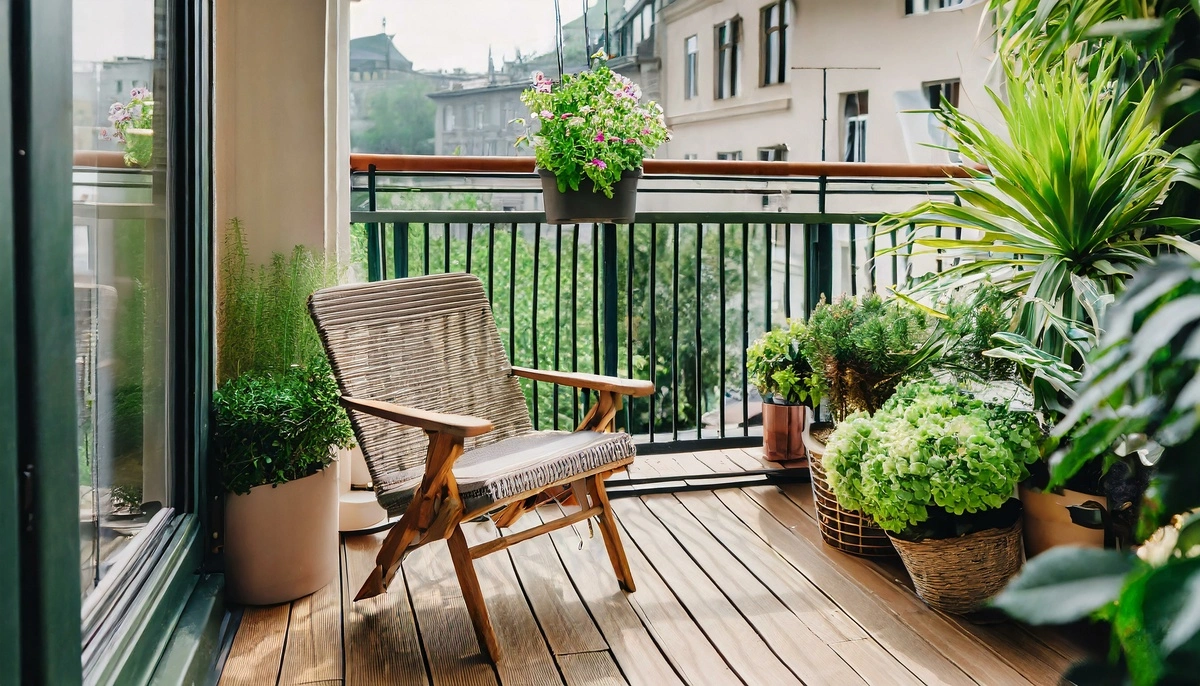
444	34
434	34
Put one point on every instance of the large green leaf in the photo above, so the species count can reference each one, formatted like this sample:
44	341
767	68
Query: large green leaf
1065	584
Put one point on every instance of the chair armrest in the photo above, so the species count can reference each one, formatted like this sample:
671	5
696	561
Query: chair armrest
453	424
595	382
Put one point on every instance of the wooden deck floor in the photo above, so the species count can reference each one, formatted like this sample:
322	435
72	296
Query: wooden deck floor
733	586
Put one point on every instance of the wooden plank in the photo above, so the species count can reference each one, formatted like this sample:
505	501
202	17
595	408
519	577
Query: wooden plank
870	660
525	657
751	659
590	669
314	642
559	610
257	651
451	651
817	563
634	636
1029	659
382	645
818	612
803	652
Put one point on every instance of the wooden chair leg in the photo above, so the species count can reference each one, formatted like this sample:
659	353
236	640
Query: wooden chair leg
608	531
464	568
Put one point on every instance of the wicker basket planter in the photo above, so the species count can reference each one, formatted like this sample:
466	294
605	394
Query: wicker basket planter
846	530
958	575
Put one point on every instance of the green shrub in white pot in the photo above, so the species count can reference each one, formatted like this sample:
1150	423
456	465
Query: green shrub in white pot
276	427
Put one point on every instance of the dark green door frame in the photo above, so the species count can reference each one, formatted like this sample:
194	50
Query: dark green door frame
10	590
44	332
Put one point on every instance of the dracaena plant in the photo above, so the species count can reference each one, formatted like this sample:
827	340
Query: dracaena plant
776	366
592	125
1144	381
1068	208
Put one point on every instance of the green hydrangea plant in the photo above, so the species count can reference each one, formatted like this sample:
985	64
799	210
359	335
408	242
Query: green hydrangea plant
593	125
932	453
776	366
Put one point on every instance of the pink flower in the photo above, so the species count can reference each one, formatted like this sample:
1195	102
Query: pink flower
599	164
600	138
542	86
645	132
566	115
631	141
546	114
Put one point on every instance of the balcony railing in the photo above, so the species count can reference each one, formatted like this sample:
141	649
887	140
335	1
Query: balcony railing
722	252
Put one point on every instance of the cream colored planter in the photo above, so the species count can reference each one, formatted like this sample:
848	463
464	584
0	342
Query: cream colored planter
281	543
1048	523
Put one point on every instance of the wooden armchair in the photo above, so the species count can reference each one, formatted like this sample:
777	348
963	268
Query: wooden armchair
445	429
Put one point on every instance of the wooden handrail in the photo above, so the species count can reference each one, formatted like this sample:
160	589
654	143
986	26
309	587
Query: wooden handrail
104	159
361	162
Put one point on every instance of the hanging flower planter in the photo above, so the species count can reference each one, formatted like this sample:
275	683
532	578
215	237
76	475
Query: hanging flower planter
590	204
593	134
133	126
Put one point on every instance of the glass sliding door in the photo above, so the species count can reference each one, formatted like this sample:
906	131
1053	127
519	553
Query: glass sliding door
122	276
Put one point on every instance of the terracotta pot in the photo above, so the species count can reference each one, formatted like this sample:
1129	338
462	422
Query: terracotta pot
783	433
281	543
587	204
1048	523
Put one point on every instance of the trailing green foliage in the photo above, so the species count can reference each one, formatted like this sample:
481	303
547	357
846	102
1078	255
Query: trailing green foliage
968	334
777	367
861	349
931	455
277	426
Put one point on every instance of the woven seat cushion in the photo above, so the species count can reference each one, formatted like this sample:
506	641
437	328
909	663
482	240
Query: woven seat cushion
523	464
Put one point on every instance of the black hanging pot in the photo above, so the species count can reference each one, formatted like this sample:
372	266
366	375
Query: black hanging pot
590	205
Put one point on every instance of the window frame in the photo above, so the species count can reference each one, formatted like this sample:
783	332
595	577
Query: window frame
732	155
727	58
954	86
776	73
691	67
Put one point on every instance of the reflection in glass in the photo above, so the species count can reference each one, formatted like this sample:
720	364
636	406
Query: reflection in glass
121	258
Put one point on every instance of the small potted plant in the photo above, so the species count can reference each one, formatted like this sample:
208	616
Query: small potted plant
937	469
859	350
276	426
776	365
593	133
133	125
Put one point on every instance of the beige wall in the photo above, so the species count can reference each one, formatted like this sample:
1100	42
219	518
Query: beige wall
908	51
280	124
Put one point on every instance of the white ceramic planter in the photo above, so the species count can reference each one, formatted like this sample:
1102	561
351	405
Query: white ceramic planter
281	543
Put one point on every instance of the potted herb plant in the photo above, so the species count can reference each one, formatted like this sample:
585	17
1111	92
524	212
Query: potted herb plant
276	425
133	125
860	349
777	367
593	133
937	468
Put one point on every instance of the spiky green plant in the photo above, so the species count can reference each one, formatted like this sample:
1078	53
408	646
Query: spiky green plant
262	313
1067	210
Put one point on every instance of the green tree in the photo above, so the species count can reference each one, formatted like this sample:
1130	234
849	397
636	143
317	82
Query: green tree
402	120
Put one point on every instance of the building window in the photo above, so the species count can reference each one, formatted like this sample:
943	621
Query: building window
735	155
776	18
691	67
728	38
690	156
774	153
855	137
489	147
480	113
448	118
923	6
942	92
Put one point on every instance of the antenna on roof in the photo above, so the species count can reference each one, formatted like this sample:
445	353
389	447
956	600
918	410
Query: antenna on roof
385	25
606	49
587	38
558	38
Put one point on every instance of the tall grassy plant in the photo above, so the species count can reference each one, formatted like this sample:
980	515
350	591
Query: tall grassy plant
1066	212
263	315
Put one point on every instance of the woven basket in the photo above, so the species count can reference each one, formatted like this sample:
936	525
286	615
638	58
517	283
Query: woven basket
957	575
843	529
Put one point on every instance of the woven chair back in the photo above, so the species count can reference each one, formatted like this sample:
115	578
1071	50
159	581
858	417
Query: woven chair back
428	342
